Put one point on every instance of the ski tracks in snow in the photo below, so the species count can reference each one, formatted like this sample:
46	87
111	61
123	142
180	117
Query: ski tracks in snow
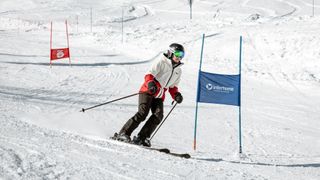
76	87
275	13
30	152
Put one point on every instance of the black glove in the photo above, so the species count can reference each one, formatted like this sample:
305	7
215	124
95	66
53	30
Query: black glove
178	97
152	87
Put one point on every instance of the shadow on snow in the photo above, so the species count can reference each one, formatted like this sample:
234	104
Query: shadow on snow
315	165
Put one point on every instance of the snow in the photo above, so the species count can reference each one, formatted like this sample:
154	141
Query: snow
44	136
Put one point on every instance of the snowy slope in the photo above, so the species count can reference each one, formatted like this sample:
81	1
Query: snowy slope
44	136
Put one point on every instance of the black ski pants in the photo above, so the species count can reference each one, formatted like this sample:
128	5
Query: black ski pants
146	103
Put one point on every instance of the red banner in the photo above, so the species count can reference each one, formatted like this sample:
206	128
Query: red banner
59	53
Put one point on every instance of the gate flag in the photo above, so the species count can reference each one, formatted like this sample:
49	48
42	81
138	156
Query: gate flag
59	53
219	88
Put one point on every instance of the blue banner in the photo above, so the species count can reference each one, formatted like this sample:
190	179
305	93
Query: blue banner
219	88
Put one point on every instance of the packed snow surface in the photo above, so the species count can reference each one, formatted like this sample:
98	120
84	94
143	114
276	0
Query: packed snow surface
43	134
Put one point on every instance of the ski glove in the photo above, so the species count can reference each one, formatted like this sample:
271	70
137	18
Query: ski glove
178	97
152	87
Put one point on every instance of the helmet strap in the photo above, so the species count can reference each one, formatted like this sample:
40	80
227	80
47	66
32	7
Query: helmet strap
170	54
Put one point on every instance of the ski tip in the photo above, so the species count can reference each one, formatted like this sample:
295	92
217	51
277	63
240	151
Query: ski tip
186	155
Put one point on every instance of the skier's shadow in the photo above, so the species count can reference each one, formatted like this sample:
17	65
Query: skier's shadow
313	165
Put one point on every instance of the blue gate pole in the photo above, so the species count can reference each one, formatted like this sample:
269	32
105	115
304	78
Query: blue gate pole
197	98
240	59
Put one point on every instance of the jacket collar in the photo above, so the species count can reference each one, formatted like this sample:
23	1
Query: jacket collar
169	61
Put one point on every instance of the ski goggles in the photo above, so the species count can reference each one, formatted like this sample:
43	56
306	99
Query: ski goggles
178	54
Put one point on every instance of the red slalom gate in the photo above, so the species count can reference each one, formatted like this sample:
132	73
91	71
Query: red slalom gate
59	53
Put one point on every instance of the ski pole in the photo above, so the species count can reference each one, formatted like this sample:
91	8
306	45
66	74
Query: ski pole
85	109
163	120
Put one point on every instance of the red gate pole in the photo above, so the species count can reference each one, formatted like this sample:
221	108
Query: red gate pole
68	42
50	44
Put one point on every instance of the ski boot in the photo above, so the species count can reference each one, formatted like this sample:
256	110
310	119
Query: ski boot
121	137
138	140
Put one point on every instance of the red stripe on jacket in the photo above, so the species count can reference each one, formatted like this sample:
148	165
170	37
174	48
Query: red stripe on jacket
150	77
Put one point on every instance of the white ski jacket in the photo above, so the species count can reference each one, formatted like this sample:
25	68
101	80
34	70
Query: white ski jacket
167	74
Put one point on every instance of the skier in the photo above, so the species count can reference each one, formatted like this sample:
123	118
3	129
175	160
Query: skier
164	74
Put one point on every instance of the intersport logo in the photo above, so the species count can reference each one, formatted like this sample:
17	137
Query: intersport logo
221	89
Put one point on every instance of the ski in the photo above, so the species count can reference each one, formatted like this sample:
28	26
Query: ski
167	151
182	155
163	150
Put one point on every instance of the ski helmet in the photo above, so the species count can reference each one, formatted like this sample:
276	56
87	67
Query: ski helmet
176	49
